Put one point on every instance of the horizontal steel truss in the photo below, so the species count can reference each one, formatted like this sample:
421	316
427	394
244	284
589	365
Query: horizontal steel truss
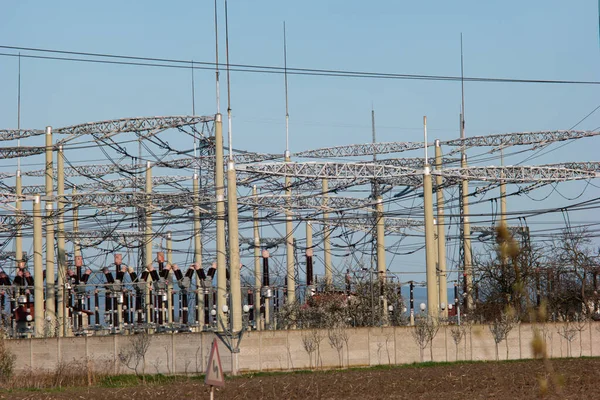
536	139
14	134
312	202
356	150
412	177
109	185
141	125
95	237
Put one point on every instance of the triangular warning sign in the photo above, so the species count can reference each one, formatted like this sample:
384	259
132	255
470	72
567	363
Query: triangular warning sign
214	370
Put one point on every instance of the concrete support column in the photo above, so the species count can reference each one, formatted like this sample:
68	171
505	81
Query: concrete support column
18	234
220	234
76	244
309	253
289	241
50	256
60	242
381	266
468	269
326	238
148	255
441	233
38	269
257	274
234	249
198	252
169	246
430	261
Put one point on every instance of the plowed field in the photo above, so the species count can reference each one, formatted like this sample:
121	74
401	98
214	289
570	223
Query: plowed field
580	379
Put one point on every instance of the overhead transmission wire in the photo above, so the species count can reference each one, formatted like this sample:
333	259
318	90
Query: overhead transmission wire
206	65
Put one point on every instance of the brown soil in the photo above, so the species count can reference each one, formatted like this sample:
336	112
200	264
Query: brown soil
513	380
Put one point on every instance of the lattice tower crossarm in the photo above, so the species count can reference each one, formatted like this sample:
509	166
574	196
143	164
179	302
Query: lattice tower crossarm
357	150
412	177
307	202
105	129
540	138
111	185
14	134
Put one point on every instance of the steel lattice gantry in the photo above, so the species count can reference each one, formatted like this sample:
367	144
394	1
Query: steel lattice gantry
145	126
355	150
362	172
14	134
537	139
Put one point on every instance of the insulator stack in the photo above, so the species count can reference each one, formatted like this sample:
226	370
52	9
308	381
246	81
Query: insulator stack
309	267
265	256
251	305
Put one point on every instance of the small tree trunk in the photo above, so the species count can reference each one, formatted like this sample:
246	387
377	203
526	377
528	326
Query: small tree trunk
431	349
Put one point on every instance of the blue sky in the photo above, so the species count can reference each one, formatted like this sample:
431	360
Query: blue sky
532	39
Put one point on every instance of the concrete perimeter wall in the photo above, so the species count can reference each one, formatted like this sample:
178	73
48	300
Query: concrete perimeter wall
287	350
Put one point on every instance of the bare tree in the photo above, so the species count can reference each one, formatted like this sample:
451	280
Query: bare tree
458	332
311	341
500	329
574	270
424	332
336	341
579	324
135	354
568	331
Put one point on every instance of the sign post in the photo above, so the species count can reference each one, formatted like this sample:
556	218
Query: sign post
214	370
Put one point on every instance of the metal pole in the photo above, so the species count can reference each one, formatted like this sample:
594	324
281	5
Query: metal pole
220	234
38	273
257	275
62	260
381	267
441	234
198	252
326	238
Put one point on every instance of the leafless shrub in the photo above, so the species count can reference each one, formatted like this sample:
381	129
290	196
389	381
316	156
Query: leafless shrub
135	354
65	374
7	360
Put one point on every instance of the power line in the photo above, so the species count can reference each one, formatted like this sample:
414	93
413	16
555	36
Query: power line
267	69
